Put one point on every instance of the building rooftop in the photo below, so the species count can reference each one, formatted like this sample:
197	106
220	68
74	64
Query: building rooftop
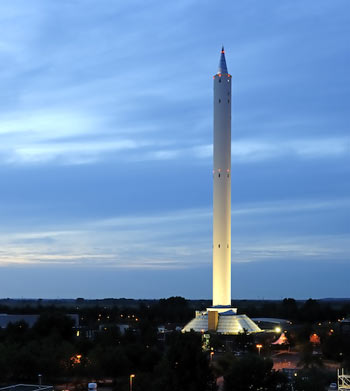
228	323
27	387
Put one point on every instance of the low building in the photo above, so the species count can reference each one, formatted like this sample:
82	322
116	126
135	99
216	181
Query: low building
6	319
27	387
345	326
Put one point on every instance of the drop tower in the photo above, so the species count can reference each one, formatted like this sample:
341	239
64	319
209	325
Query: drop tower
221	317
222	186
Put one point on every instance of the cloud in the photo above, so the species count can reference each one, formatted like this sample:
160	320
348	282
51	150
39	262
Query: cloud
291	206
180	239
255	150
136	90
316	248
70	139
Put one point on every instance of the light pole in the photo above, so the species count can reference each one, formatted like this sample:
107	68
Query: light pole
39	378
211	356
259	346
130	379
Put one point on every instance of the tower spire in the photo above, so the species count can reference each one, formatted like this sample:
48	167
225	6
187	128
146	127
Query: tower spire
222	63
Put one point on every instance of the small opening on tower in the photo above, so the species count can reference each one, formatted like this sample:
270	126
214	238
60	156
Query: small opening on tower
219	175
219	245
219	80
228	100
219	100
228	175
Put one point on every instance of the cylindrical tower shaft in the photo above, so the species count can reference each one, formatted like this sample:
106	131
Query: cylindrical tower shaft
222	187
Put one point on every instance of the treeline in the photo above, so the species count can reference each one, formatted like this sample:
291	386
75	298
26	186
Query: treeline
171	362
180	310
307	311
173	309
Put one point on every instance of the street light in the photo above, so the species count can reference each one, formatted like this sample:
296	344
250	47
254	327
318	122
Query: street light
259	346
39	379
211	356
131	377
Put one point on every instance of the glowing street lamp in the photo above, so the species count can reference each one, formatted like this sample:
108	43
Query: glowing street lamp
131	377
259	346
211	356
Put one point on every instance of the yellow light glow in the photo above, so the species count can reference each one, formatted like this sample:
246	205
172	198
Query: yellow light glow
76	359
277	329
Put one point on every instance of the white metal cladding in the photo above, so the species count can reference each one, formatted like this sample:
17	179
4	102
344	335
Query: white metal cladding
227	324
222	187
235	324
199	323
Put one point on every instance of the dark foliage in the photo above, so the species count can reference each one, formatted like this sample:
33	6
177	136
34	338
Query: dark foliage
253	372
184	367
176	363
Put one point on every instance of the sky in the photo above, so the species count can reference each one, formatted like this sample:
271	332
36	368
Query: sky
106	125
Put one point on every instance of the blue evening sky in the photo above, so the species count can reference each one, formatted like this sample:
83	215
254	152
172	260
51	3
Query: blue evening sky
106	147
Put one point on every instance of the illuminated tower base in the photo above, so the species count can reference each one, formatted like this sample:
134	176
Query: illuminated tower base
221	321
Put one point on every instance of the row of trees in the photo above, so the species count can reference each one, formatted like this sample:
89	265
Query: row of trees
307	311
178	309
53	349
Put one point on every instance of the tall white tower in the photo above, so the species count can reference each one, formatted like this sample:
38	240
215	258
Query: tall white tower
222	186
221	317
